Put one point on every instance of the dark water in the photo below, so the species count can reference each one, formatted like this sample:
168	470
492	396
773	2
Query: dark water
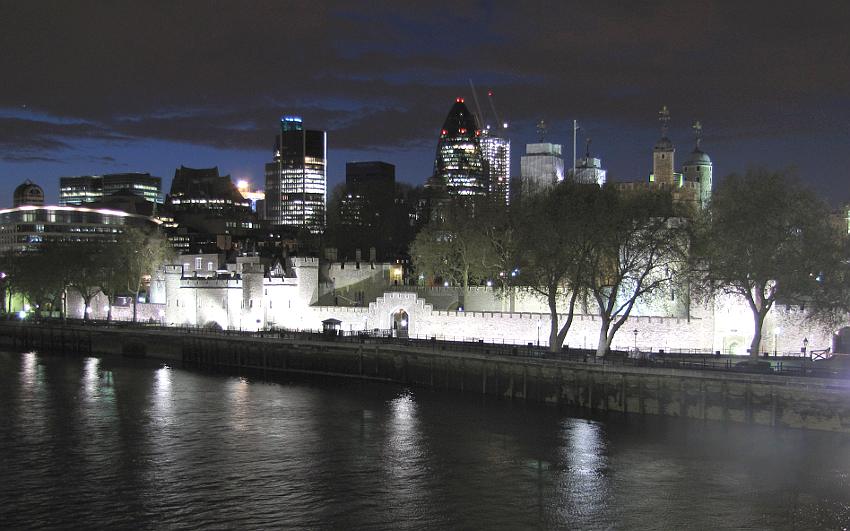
106	443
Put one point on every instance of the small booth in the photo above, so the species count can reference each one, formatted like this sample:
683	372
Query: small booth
331	327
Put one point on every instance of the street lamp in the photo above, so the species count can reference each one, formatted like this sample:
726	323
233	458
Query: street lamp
635	333
805	346
776	332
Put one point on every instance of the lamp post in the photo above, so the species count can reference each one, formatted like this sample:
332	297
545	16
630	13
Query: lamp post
776	332
805	346
635	333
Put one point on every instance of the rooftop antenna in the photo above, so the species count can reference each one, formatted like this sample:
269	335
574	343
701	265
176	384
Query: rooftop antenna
664	118
477	106
541	131
697	127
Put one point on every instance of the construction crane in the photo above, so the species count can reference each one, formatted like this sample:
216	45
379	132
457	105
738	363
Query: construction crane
492	101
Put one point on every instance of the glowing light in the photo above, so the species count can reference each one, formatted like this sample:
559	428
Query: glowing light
403	323
445	284
22	314
88	310
459	100
242	185
489	283
106	308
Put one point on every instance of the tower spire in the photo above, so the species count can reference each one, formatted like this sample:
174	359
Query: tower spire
664	118
697	127
587	147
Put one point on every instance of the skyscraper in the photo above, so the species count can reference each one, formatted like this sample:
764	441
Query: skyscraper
496	153
459	166
296	181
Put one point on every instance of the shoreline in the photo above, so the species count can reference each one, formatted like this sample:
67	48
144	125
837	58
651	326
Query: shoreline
759	399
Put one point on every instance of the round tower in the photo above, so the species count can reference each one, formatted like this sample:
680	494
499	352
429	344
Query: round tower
698	168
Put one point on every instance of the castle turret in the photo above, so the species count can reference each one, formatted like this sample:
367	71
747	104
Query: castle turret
663	153
253	315
698	168
173	310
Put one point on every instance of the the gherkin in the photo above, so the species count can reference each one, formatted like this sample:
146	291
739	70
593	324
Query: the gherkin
459	166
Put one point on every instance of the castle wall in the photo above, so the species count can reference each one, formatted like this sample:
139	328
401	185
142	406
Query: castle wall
255	302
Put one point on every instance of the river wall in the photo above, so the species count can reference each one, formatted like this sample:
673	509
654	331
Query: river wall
762	399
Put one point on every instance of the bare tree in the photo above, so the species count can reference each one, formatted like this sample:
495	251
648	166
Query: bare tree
640	245
555	235
769	237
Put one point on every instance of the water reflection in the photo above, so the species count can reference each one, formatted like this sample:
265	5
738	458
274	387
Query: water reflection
29	370
405	469
582	488
240	407
163	397
91	378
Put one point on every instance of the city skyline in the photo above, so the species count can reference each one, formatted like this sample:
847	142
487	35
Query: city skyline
199	98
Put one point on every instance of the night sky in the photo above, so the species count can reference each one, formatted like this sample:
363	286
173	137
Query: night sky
102	87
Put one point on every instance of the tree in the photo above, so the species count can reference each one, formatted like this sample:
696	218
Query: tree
138	253
85	262
767	237
42	278
555	233
461	245
640	245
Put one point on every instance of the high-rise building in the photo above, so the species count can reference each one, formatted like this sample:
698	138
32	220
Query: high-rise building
296	181
459	166
369	193
541	166
91	188
496	152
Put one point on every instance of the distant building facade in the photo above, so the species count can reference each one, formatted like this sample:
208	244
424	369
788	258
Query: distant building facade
588	170
496	152
541	166
296	180
31	224
369	193
91	188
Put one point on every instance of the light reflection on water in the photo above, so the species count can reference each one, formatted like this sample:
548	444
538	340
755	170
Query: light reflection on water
126	443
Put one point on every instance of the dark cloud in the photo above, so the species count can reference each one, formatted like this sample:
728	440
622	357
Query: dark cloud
382	76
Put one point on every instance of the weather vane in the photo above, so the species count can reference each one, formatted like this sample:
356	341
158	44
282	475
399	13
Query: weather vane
697	127
541	130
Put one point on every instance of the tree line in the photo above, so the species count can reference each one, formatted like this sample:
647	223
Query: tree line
765	237
45	275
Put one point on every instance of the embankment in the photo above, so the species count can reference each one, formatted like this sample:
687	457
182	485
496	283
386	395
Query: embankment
764	399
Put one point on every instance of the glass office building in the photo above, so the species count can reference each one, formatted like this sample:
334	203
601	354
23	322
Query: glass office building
296	180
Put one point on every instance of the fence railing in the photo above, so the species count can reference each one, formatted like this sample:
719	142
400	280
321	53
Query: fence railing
692	359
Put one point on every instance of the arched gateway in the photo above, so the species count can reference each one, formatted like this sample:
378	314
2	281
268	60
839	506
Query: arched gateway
400	322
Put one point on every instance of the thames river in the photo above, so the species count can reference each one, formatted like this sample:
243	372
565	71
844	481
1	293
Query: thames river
115	443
